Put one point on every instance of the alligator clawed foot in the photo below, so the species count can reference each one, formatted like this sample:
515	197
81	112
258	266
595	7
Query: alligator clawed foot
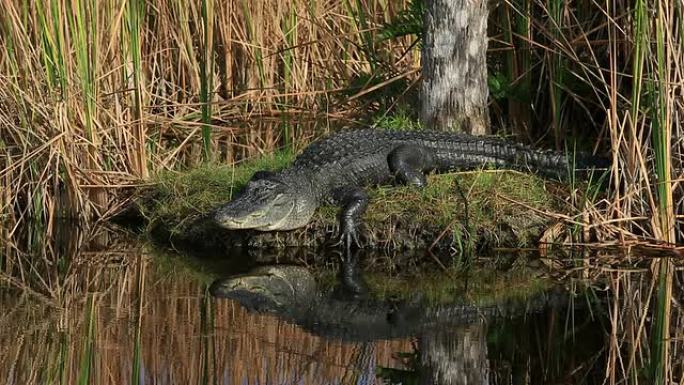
349	236
348	239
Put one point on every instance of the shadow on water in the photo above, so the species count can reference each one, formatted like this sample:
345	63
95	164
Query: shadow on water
89	306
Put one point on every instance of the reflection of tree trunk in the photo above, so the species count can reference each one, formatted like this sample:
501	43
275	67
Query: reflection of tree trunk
365	361
455	356
454	92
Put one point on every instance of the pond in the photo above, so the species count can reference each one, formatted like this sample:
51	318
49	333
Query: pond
95	306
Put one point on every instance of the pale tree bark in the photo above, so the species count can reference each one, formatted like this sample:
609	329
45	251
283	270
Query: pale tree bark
454	91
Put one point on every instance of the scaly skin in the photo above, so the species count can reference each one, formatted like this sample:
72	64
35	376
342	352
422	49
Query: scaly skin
337	168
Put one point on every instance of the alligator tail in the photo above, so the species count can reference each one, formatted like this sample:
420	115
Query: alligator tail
559	165
471	153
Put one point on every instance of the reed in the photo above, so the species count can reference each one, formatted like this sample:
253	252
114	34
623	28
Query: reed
661	132
206	75
621	66
98	97
557	68
514	20
138	154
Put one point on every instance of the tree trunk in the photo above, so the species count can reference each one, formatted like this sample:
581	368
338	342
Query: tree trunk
454	92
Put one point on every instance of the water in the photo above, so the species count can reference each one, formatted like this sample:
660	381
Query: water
99	308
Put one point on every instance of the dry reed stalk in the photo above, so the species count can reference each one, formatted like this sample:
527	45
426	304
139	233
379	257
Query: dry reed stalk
89	89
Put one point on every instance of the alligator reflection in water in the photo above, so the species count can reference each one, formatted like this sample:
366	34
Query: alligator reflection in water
291	293
452	344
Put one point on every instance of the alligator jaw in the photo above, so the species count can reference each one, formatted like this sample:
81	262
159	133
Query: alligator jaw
226	218
262	221
281	224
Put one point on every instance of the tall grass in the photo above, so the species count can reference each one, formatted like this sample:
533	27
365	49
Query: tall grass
97	96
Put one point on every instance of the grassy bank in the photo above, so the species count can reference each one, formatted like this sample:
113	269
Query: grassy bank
503	209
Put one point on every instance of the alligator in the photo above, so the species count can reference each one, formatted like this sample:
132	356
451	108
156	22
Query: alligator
336	168
292	294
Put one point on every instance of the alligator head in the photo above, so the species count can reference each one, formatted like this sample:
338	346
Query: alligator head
267	203
269	288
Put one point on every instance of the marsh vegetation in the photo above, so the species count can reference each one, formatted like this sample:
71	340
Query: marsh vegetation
100	99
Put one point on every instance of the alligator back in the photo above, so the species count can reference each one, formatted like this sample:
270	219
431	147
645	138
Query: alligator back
364	153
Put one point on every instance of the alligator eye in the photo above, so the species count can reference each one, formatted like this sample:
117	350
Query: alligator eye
280	204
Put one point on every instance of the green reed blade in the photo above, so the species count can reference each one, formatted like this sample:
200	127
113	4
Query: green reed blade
557	67
661	147
251	35
206	75
84	44
661	135
47	47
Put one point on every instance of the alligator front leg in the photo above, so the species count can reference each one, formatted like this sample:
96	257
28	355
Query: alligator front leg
354	202
409	163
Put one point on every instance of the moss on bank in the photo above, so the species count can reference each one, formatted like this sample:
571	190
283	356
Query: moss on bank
503	209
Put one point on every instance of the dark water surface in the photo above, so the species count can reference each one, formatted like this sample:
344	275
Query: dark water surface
99	308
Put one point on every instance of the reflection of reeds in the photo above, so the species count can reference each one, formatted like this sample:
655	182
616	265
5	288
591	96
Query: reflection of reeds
117	316
639	346
129	322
